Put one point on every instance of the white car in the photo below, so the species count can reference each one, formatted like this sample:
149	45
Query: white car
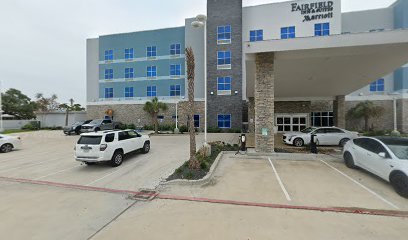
109	146
384	157
329	136
8	143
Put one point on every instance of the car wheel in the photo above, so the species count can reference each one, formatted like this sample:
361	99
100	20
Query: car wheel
298	142
146	147
349	160
5	148
399	182
78	131
90	163
117	159
97	129
343	142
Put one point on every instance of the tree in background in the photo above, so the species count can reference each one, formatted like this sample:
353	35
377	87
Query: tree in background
17	104
153	108
46	104
365	110
71	107
194	163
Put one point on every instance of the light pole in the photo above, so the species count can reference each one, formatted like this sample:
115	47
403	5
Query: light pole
394	99
201	21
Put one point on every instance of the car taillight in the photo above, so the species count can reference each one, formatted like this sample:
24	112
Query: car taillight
103	147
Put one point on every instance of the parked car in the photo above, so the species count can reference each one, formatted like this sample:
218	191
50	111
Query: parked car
385	157
8	143
328	136
75	127
110	146
99	125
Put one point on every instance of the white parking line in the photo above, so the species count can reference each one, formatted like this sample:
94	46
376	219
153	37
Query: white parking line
105	176
55	173
361	185
280	181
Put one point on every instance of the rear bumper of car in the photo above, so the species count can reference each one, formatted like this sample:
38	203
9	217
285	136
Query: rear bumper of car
101	157
86	130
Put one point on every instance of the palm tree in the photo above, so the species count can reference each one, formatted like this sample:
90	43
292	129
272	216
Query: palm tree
153	108
193	162
365	110
70	108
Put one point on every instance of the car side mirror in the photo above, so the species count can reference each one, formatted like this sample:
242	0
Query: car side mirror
382	154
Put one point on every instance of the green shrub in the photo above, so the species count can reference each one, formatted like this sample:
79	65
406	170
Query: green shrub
183	129
214	130
189	175
29	126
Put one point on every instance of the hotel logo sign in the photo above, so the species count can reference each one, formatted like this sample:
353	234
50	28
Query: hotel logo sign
314	11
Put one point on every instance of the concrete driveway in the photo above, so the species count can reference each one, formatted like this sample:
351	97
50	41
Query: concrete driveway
47	195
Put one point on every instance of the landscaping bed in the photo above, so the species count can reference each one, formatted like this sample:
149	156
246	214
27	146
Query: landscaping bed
184	172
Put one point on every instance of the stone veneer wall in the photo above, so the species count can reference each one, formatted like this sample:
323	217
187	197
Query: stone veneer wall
384	122
293	107
134	113
265	102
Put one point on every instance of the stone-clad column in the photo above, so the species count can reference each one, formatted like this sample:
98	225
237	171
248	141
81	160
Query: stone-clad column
251	115
264	102
339	109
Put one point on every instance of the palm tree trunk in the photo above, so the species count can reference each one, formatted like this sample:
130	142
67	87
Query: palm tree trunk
194	163
366	125
156	123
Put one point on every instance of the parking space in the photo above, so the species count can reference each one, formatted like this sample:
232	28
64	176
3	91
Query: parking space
254	198
301	183
48	156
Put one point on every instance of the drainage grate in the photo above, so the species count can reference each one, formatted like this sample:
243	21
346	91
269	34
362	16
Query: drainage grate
145	195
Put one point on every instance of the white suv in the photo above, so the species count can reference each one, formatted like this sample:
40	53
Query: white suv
109	146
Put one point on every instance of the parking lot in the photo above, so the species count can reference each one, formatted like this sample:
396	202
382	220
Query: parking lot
47	195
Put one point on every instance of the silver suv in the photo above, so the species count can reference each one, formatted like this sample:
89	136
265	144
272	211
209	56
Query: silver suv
98	125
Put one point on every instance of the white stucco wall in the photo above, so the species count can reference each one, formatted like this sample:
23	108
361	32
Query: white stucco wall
92	70
364	21
57	119
272	17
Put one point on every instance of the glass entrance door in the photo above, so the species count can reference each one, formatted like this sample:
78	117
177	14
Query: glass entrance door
291	123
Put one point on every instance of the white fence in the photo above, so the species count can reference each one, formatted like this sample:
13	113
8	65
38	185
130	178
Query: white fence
15	124
57	119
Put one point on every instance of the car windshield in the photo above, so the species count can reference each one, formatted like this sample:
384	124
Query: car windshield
308	130
90	140
96	122
77	123
398	146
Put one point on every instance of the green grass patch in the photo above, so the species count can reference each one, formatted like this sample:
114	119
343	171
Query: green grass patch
11	131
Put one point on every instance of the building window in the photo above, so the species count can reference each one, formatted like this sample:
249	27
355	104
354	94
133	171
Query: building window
224	34
224	121
151	91
322	29
291	123
108	74
151	71
224	85
108	55
129	73
108	92
256	35
377	86
129	92
224	59
175	90
196	121
322	119
151	52
175	49
175	70
129	53
288	32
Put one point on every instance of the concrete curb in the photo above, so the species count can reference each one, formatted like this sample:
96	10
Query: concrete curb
291	156
202	181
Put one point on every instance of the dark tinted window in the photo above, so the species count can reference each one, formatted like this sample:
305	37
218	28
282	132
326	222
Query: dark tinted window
90	140
320	131
334	130
360	142
123	136
374	146
107	121
110	137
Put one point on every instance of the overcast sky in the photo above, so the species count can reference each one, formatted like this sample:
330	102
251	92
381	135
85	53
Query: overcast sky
43	41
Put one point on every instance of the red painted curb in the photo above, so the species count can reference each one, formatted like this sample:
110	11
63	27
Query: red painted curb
358	211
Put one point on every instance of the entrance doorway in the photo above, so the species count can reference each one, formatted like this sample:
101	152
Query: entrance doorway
291	122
